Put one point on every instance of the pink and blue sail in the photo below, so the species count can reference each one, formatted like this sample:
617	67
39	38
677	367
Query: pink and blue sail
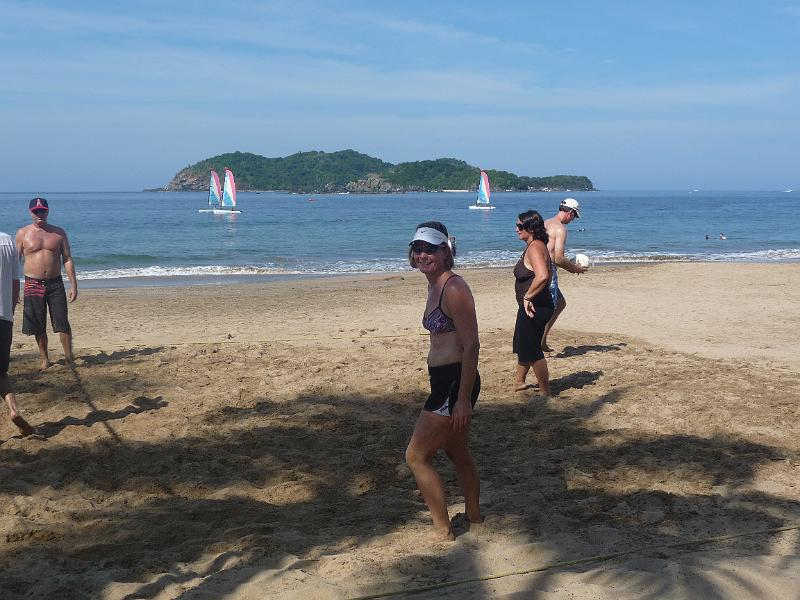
229	190
484	191
214	190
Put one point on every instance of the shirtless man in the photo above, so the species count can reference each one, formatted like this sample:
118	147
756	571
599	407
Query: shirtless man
9	298
556	227
45	247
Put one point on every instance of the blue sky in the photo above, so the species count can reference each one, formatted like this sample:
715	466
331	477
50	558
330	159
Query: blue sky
635	95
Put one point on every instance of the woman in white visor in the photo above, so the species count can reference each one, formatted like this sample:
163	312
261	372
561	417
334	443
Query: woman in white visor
455	384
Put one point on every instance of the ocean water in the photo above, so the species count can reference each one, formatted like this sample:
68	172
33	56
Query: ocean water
142	237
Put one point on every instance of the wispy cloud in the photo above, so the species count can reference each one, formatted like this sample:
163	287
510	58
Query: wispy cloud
678	95
162	73
445	32
281	31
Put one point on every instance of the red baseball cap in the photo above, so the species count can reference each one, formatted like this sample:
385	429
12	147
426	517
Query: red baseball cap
38	204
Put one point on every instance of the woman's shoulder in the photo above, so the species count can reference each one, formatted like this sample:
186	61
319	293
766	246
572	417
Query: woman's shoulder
457	286
536	246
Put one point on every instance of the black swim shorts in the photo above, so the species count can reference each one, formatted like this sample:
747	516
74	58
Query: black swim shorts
528	333
6	331
39	295
445	381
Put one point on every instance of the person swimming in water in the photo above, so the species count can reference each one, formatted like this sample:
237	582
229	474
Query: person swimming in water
455	383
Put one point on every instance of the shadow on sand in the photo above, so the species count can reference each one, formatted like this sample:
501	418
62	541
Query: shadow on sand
139	405
570	351
223	492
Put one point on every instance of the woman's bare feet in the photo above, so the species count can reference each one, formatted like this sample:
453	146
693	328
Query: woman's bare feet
23	425
442	535
521	387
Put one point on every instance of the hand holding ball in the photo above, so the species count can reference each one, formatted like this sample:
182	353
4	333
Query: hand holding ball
582	260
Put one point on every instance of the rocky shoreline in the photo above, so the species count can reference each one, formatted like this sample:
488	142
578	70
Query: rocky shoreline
188	181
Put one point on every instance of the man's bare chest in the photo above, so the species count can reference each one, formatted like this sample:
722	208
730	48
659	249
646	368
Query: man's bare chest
35	241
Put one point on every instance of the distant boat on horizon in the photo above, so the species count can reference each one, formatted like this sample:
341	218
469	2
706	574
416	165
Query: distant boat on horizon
484	194
788	191
221	202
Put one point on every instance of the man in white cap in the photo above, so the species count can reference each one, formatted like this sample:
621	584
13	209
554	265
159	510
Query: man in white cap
556	227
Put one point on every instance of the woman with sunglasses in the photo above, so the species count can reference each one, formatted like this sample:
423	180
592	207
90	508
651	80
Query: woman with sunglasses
455	383
532	276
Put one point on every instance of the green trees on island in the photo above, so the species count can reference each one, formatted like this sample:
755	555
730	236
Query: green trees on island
348	170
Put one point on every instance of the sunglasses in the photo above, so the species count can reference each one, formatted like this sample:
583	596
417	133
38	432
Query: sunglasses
420	247
520	226
39	211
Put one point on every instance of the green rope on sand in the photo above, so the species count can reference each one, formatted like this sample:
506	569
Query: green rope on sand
579	561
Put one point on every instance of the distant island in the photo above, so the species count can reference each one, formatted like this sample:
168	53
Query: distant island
351	171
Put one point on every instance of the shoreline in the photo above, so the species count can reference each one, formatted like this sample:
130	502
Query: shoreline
711	308
157	281
169	281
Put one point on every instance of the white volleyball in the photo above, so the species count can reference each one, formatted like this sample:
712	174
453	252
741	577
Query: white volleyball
582	260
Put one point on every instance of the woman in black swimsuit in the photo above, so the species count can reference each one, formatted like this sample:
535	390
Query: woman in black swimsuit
531	279
455	383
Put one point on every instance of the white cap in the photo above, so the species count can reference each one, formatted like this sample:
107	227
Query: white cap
430	235
572	204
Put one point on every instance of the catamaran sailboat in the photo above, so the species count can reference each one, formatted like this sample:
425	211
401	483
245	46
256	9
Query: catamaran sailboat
222	202
484	194
214	194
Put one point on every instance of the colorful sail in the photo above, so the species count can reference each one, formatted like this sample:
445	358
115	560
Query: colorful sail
229	190
484	191
214	190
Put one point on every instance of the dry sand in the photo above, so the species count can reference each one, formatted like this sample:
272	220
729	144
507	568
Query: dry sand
247	442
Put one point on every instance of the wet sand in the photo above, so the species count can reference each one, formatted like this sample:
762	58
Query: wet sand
247	441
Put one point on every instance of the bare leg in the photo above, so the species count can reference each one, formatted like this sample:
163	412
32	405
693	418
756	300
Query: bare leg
66	343
519	377
11	400
542	376
457	449
560	306
41	341
430	434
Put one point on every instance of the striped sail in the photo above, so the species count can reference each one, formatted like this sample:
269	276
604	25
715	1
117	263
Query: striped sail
484	191
214	190
229	190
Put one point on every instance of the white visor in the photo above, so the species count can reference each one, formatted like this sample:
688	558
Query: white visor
430	235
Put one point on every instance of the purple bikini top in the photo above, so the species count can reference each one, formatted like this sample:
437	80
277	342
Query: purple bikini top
436	321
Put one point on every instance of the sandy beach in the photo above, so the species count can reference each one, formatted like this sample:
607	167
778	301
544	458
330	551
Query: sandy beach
247	442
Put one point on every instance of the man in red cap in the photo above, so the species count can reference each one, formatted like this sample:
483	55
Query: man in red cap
45	248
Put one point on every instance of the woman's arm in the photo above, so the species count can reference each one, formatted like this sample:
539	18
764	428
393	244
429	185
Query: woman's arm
460	305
